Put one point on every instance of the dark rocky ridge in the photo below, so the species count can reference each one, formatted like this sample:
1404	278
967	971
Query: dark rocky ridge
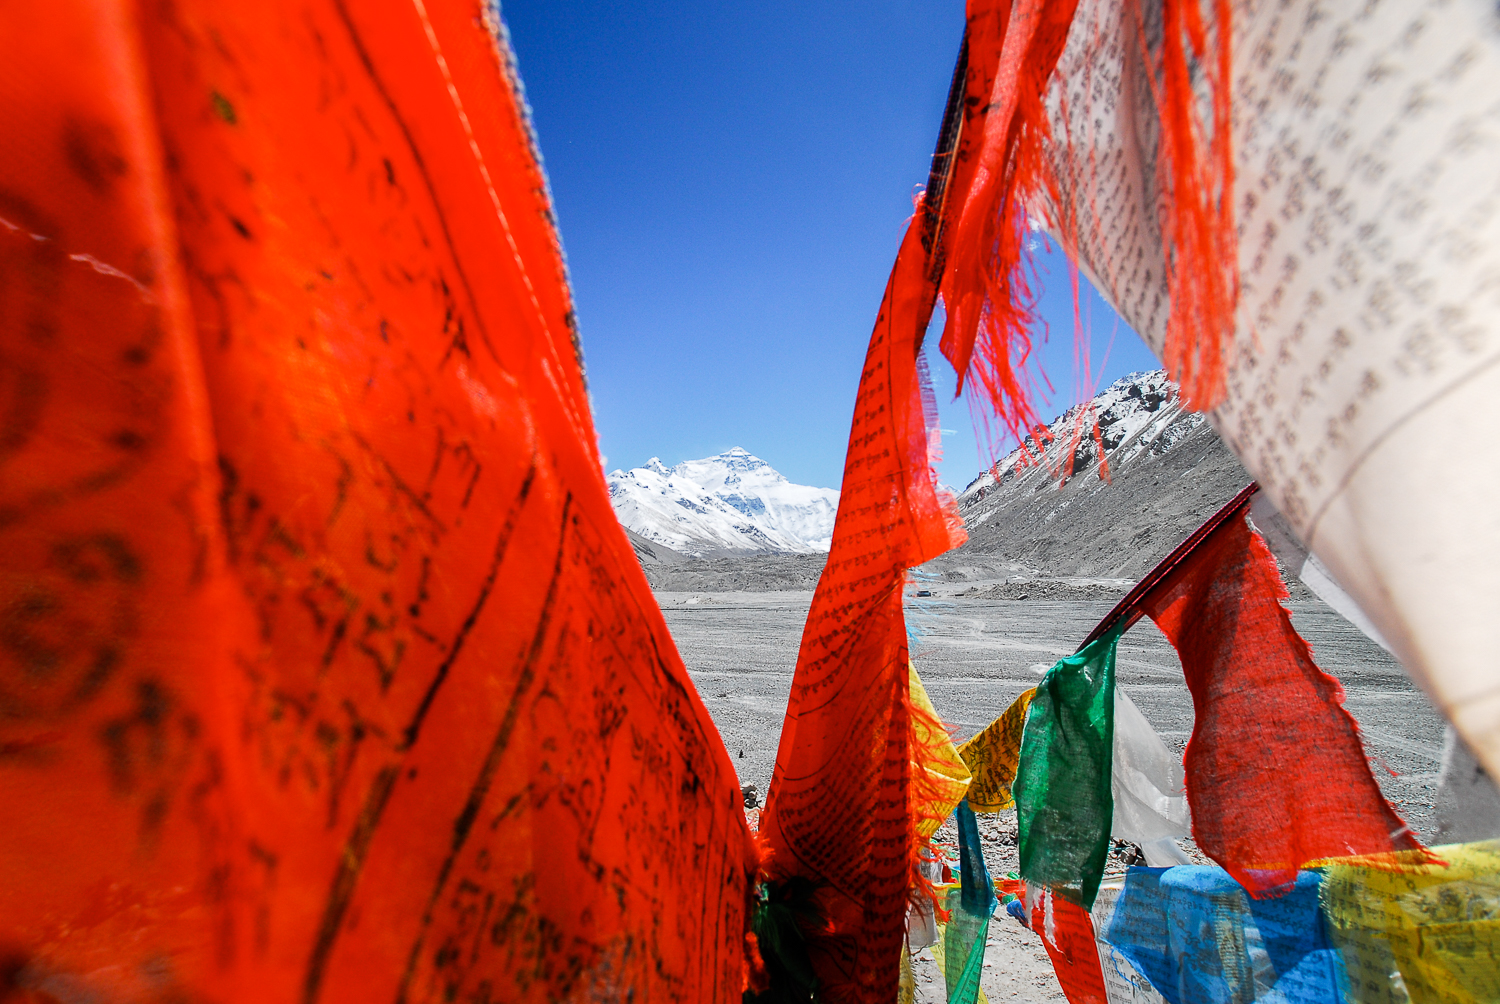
1168	472
1046	529
652	555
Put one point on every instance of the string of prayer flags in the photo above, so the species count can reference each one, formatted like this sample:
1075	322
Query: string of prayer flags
1146	781
1140	144
1063	793
1196	935
1418	930
327	672
1275	771
839	810
1389	929
992	755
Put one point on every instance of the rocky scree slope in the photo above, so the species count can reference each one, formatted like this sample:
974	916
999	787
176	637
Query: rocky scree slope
1045	511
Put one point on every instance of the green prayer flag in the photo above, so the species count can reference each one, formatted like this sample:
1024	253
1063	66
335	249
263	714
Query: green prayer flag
963	951
1062	788
970	907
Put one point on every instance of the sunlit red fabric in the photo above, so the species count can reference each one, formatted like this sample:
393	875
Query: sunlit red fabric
1067	932
838	808
1276	774
1012	50
326	672
1197	191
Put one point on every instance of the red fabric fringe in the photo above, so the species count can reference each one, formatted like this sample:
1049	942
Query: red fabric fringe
1001	169
1012	51
1196	174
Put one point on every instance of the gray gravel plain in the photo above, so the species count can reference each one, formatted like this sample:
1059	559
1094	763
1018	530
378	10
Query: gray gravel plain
975	655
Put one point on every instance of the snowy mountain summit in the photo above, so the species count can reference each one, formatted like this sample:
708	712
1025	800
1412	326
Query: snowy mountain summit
734	502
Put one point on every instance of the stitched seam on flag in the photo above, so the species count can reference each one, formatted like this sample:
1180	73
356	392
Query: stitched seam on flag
484	171
510	239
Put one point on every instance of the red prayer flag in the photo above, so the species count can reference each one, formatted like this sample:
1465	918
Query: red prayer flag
326	671
1011	171
839	807
1067	932
1276	774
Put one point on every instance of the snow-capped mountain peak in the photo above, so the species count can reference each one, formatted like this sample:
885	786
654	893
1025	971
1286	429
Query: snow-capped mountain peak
734	501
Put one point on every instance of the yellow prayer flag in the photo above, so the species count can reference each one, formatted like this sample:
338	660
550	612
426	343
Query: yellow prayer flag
992	755
940	780
1430	929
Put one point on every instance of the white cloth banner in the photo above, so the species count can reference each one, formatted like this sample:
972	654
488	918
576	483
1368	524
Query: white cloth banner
1123	983
1366	357
1146	780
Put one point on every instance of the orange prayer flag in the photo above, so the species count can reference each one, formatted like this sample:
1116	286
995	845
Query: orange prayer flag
326	672
839	810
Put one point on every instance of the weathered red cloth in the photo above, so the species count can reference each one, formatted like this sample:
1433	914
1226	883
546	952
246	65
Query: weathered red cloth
1067	932
1276	774
1010	53
838	810
326	671
1006	165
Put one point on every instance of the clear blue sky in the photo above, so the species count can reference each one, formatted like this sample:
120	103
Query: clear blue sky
731	183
